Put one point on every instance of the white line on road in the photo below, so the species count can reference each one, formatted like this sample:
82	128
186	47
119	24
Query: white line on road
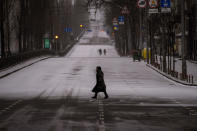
101	115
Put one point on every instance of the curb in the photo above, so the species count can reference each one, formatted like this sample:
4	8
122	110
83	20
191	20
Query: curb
170	77
7	74
194	62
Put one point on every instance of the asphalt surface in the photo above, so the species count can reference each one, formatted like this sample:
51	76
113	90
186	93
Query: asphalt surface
115	114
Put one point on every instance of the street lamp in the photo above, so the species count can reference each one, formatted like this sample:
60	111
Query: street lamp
56	42
56	37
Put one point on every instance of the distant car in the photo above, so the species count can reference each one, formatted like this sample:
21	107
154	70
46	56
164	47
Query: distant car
92	19
136	55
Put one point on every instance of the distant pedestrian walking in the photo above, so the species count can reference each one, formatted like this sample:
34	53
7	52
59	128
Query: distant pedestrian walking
104	51
100	51
100	83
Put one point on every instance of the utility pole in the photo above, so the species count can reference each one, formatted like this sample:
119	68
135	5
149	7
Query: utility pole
141	28
147	35
183	46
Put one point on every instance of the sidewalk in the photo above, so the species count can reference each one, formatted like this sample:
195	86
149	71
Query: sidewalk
170	77
191	67
15	68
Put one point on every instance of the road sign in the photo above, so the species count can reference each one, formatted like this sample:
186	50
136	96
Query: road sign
115	21
121	23
121	19
125	10
46	43
141	3
165	3
165	10
153	11
153	3
89	30
165	6
116	27
67	29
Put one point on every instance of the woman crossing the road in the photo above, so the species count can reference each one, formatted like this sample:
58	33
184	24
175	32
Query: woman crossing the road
100	83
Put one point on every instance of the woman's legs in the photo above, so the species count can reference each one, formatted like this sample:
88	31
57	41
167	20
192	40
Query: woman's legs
95	96
106	95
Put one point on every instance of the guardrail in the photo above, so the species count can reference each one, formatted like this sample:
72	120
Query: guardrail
21	57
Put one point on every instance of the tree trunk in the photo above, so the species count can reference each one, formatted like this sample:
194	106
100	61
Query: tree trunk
164	50
184	64
2	40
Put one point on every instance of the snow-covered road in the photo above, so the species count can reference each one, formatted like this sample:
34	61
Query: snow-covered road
124	78
54	95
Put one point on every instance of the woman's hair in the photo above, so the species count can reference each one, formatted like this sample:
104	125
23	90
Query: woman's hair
98	68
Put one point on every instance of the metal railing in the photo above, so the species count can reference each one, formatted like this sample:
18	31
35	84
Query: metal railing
18	58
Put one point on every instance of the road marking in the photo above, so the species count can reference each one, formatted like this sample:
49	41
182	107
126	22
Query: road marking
101	115
10	106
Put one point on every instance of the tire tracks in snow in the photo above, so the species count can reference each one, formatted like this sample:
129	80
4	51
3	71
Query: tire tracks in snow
17	102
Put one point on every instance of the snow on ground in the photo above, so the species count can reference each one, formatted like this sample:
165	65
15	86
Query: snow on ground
56	77
75	73
92	51
103	34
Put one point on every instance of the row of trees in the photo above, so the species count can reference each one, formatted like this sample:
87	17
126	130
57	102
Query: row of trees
160	33
24	24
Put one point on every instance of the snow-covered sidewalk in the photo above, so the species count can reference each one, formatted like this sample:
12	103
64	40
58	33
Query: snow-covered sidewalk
20	66
191	67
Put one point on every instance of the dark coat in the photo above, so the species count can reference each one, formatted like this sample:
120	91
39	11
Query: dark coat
100	83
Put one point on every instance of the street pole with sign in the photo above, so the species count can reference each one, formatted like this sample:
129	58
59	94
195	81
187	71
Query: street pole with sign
125	11
141	4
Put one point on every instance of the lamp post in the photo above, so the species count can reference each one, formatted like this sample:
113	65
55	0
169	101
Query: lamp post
56	42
